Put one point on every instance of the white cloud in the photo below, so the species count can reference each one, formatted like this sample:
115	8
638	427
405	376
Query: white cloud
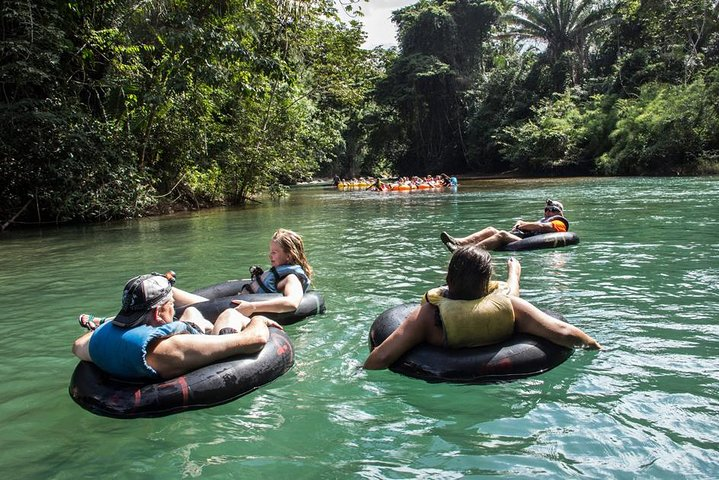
377	20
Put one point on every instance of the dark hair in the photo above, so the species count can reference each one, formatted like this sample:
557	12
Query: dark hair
469	273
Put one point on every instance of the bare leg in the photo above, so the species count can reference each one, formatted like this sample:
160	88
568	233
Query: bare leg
183	298
476	237
418	327
193	315
230	318
488	238
486	234
498	240
530	319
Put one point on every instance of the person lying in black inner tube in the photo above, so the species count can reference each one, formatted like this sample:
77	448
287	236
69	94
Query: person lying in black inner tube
290	274
491	239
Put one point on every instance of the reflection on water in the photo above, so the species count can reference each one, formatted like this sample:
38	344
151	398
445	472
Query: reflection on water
644	281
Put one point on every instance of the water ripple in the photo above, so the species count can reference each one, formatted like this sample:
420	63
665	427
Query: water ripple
644	281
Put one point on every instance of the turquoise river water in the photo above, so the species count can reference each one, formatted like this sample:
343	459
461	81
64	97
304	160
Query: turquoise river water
644	281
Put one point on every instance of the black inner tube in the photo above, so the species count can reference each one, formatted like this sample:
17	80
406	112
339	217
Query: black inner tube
543	240
221	295
214	384
312	304
518	357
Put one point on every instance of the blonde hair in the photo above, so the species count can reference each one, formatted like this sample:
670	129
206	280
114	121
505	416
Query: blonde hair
292	244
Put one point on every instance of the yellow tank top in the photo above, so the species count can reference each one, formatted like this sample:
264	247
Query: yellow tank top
474	323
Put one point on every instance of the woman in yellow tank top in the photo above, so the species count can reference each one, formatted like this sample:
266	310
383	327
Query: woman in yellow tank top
472	310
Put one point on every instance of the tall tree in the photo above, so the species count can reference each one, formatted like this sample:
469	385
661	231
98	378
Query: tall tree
427	83
109	107
563	25
665	41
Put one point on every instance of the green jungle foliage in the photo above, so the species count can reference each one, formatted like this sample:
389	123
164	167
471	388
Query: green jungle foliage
114	109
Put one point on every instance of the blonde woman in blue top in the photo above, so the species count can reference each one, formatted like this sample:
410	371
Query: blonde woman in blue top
290	274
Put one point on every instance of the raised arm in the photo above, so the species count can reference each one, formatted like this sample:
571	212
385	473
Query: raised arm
530	319
514	271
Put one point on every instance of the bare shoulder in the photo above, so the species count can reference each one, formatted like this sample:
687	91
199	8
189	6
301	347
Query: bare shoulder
291	287
290	279
426	312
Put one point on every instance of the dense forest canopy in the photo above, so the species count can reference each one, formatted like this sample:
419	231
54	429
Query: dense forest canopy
116	108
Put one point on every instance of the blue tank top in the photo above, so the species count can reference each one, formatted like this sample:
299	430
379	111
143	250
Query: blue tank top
122	352
267	283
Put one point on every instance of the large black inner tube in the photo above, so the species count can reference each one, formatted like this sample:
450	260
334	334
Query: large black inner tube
543	240
221	295
518	357
312	303
215	384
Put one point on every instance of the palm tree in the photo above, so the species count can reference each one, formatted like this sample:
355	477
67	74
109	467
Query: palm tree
564	25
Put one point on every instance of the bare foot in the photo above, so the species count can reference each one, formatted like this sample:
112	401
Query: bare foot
449	241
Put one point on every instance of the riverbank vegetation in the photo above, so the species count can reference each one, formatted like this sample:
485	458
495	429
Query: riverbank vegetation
118	108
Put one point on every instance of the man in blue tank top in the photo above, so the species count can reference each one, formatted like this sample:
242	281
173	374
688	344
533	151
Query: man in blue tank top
491	239
145	342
